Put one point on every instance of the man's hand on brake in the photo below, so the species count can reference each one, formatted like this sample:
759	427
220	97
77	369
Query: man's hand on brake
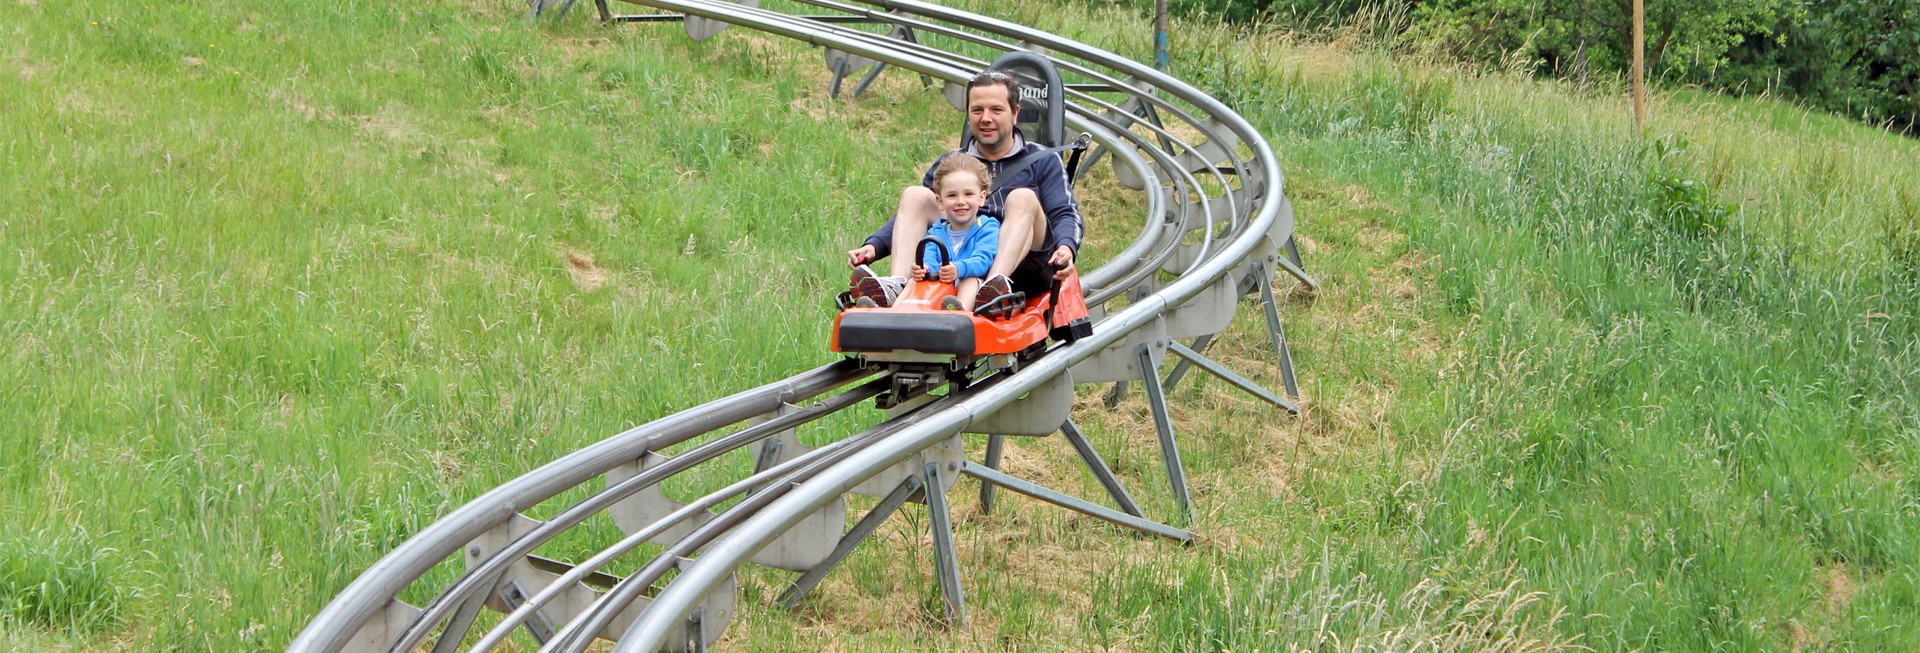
1062	261
860	255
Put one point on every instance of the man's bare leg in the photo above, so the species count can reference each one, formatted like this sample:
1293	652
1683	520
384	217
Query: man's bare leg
918	210
1022	229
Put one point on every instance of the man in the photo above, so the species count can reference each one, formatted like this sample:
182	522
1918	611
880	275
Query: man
1040	224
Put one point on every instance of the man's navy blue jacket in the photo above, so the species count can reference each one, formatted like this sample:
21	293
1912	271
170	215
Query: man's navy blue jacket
1048	179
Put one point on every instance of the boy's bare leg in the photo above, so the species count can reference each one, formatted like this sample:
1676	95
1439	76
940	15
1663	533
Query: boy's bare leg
918	209
967	289
1022	229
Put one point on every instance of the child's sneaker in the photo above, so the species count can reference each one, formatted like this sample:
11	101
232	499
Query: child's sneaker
875	289
950	303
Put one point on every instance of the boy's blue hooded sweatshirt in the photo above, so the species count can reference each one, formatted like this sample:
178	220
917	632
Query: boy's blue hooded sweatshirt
975	256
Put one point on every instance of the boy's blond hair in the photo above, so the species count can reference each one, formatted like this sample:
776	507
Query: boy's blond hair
957	161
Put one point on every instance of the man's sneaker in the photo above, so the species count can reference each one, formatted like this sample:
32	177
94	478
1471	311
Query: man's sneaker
950	303
993	294
879	290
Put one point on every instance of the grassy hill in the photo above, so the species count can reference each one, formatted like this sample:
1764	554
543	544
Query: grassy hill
282	282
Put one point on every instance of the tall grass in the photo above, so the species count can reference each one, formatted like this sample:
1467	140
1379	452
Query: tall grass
61	581
1688	358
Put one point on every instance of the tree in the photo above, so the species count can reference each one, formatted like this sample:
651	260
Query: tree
1576	38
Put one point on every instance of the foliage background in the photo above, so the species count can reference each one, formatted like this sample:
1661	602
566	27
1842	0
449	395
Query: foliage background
1856	58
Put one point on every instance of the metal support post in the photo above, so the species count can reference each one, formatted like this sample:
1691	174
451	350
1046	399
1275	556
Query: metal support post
1277	331
462	621
695	642
1169	449
536	625
537	8
995	443
946	563
840	71
1076	504
903	33
768	457
1116	395
1098	466
890	504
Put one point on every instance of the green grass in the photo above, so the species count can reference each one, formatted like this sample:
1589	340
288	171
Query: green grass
280	283
64	581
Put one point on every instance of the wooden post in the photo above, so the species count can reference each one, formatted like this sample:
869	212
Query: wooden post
1639	68
1160	35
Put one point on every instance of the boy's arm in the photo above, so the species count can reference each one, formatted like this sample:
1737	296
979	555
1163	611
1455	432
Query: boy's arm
978	258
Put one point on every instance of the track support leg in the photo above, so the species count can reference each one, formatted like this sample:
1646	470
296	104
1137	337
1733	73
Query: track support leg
995	443
946	564
861	530
695	642
1169	448
1277	330
462	621
1117	395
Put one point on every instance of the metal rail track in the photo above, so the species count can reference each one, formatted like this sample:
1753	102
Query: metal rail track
1217	228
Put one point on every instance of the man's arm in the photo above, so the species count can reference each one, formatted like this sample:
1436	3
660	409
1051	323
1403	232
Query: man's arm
882	240
1064	225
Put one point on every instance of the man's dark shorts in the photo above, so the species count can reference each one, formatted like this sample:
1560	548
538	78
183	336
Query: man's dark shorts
1033	276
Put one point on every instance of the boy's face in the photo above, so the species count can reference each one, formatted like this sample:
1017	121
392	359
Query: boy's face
961	195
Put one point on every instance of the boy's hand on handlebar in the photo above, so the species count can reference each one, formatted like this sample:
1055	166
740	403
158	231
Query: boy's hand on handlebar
860	255
949	273
919	271
1062	261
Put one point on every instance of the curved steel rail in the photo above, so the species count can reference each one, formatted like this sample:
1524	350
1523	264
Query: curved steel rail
1243	226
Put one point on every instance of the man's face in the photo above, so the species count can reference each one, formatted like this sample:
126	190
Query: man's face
990	114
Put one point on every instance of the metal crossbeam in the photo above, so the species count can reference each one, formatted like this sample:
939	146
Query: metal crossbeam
1098	466
1227	375
1075	504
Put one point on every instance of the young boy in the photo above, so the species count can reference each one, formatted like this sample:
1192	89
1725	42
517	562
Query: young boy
960	184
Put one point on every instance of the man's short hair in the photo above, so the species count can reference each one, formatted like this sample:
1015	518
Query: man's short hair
992	77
